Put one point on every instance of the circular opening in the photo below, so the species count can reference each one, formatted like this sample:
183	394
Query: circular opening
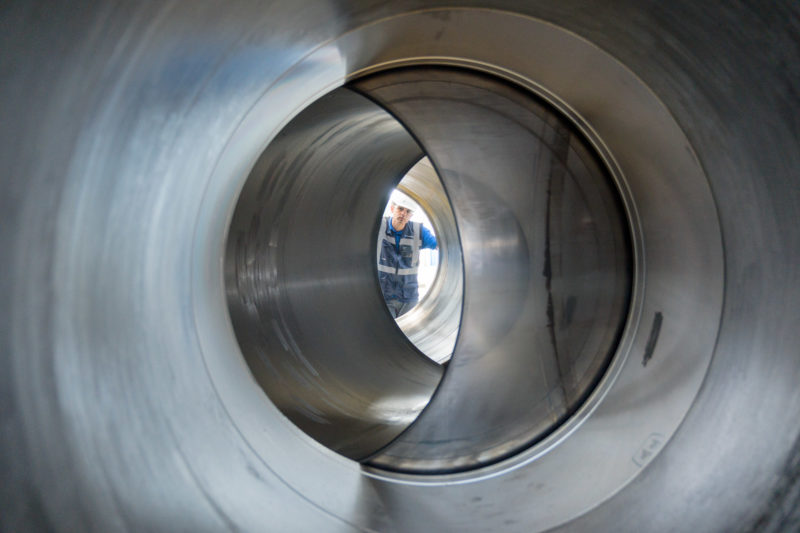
661	185
432	324
530	299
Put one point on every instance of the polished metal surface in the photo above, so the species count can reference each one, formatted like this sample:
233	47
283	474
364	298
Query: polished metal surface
129	131
301	284
547	269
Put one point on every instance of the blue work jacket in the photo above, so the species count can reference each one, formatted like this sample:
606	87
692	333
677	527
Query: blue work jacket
398	259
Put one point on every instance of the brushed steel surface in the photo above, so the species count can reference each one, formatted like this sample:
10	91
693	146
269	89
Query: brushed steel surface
301	281
547	269
129	130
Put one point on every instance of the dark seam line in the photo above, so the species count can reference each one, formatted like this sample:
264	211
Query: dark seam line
651	341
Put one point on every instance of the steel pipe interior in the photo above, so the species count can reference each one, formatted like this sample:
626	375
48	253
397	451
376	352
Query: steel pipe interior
433	324
302	288
130	396
546	258
547	265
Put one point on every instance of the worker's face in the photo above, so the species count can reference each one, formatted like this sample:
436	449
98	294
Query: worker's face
400	216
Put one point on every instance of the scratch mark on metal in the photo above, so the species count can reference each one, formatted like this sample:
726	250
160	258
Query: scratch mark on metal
651	342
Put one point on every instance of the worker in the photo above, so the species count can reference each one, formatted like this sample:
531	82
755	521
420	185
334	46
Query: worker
400	241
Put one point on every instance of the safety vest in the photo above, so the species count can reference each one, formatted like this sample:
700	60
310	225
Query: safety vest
397	269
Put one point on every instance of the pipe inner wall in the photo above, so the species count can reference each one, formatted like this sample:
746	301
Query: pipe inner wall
129	403
301	281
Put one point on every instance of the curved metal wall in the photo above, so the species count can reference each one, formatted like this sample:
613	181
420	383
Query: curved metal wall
128	133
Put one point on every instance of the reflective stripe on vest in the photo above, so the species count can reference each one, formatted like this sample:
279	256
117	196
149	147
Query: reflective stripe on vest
414	241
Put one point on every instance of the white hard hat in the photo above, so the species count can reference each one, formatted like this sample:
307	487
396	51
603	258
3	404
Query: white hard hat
401	200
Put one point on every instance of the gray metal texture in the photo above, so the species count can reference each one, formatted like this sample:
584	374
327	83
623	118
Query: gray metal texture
128	132
547	271
301	277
